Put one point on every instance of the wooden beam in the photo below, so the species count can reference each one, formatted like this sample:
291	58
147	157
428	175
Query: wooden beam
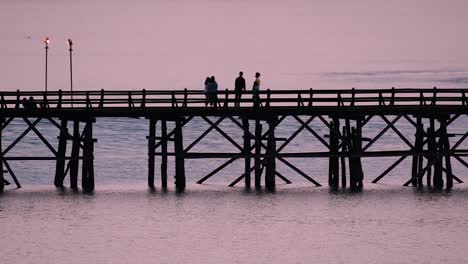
380	134
294	168
389	169
212	126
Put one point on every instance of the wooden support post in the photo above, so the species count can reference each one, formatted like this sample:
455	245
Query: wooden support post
2	179
420	175
258	149
179	157
431	145
438	148
270	157
75	153
245	126
333	174
417	143
343	161
151	151
446	151
164	154
62	149
357	142
87	180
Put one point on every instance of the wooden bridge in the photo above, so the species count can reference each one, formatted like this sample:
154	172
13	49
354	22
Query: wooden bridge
344	113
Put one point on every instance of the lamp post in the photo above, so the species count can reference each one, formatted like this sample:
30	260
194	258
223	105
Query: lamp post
46	41
70	49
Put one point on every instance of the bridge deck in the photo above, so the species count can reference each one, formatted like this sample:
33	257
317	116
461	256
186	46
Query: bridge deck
342	113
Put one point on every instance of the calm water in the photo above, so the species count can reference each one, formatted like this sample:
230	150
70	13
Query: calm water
175	44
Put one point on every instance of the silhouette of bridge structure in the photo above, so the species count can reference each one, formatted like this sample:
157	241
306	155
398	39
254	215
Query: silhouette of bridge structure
342	113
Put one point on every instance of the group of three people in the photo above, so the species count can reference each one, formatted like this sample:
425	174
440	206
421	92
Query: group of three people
211	89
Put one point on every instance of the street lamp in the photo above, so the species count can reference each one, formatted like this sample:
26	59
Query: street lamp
70	49
47	42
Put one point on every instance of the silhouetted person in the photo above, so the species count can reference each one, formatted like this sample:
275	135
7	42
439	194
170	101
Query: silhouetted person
29	105
25	103
256	90
207	99
239	87
212	91
32	104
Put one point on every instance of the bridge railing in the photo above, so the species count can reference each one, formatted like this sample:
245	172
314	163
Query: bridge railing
226	98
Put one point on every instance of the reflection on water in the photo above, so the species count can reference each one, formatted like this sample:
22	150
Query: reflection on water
217	225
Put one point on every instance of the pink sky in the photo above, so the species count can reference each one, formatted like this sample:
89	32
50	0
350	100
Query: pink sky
175	44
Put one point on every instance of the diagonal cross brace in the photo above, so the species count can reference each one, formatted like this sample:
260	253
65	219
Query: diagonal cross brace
312	131
43	139
380	134
204	134
226	136
397	131
18	139
295	134
299	171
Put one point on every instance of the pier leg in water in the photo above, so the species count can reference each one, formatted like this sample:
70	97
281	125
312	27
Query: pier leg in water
420	156
2	179
446	151
354	137
270	157
164	154
430	147
258	149
87	180
75	153
343	162
151	152
62	148
245	126
179	157
417	149
333	169
358	149
438	181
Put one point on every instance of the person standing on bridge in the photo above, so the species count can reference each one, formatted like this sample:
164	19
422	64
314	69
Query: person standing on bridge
256	90
207	98
212	91
239	87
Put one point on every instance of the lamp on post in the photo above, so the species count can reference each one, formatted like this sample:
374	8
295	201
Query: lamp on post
70	49
47	42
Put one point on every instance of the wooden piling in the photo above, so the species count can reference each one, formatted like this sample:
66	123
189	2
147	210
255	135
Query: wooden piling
164	140
75	153
420	148
2	179
61	152
358	150
416	149
258	149
446	150
333	173
245	126
438	147
270	156
179	157
344	149
431	145
151	152
87	180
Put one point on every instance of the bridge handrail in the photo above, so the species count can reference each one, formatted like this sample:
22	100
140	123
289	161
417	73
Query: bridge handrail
186	98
